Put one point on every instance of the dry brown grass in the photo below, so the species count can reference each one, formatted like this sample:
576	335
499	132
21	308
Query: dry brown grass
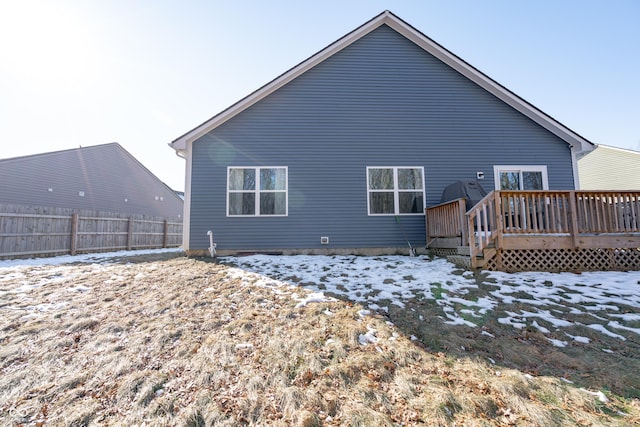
168	340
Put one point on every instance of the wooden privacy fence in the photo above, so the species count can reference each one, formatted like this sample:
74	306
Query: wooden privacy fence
27	231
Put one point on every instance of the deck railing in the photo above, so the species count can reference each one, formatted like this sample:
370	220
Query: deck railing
608	212
447	220
483	224
526	212
573	212
541	220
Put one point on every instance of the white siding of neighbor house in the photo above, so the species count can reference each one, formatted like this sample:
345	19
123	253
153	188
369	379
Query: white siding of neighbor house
610	168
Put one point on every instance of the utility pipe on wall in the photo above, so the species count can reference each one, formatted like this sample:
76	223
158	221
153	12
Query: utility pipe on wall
212	246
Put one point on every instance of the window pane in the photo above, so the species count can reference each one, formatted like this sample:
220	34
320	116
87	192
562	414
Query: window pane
242	204
273	203
509	180
273	179
380	179
242	179
410	179
280	204
381	203
410	202
532	180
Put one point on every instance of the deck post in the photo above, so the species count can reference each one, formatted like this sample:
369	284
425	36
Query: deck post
473	238
462	211
573	215
426	226
471	234
499	218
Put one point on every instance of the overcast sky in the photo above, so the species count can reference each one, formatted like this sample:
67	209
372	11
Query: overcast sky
144	72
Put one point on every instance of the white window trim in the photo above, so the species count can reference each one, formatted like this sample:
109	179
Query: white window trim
257	191
497	169
396	191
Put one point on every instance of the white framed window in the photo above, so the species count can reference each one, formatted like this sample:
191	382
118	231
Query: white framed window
257	191
395	190
524	177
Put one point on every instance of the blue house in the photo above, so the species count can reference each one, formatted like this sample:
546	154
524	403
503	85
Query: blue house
343	152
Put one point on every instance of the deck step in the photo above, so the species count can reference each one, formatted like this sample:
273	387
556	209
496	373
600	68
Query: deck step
488	252
464	250
463	258
462	261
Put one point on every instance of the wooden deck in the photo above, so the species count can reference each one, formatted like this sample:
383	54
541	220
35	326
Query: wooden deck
540	231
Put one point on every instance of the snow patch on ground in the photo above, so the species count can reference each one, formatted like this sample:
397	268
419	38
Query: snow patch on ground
544	298
381	282
313	297
369	337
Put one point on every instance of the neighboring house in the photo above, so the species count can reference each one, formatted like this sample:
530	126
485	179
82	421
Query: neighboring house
609	168
102	177
343	152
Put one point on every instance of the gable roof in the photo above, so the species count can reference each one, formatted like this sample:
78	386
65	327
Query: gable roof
102	177
577	142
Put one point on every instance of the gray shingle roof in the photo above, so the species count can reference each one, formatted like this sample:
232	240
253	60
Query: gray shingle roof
102	177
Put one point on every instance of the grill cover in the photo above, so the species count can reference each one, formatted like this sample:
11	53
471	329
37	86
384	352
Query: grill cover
471	191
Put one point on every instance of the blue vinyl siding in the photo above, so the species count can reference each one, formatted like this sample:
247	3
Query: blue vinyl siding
382	101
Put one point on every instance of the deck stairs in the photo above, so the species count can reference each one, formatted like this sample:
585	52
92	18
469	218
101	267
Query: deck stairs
463	257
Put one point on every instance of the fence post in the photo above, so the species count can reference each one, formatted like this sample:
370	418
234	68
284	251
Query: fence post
165	233
74	234
130	233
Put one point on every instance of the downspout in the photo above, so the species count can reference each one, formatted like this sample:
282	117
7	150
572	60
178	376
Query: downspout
579	147
574	166
579	151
